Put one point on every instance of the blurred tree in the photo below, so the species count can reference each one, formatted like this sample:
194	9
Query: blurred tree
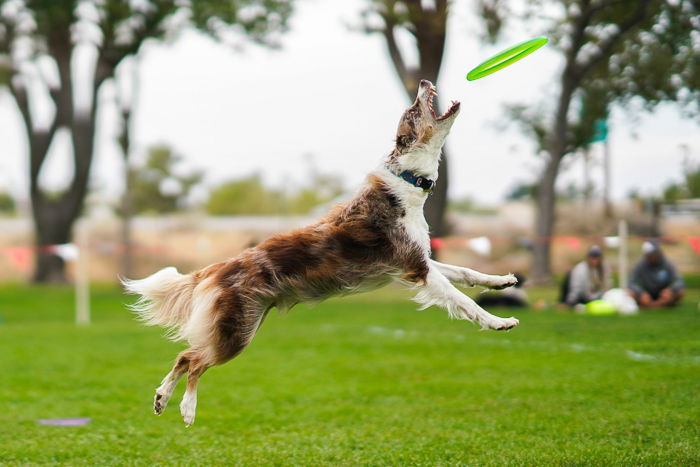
249	195
244	196
39	41
521	191
673	193
7	204
461	205
321	189
613	51
689	188
156	188
692	181
425	22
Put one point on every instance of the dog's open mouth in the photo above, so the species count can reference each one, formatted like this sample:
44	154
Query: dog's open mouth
454	106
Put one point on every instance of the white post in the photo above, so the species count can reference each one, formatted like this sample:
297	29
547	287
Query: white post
622	258
607	202
82	277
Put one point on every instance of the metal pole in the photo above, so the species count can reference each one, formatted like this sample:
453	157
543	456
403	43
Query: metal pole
606	167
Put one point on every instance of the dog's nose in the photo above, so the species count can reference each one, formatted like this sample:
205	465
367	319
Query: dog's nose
424	83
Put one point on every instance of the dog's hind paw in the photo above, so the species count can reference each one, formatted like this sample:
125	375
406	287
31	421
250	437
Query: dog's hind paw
160	401
188	408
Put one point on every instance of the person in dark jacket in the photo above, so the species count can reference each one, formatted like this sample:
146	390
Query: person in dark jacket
655	282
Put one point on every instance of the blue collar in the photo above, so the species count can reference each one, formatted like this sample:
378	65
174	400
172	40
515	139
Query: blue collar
418	181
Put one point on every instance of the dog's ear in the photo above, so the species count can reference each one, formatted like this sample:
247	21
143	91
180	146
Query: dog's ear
406	131
404	141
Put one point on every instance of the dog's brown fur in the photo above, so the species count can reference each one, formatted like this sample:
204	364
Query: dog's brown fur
356	243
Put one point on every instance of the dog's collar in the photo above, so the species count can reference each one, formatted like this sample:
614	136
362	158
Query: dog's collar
418	181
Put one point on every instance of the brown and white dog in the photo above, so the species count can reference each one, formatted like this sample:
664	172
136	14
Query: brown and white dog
379	236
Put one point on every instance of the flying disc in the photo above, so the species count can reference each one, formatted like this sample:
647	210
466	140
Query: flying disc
506	57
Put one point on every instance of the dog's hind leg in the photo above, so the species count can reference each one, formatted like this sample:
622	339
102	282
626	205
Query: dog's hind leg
437	290
197	366
167	386
469	277
234	329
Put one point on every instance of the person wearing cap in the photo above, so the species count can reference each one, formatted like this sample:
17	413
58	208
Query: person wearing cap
589	279
655	282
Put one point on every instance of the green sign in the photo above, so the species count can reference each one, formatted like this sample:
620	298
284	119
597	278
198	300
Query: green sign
600	131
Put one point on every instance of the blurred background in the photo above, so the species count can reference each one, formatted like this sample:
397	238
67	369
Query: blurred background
178	133
141	134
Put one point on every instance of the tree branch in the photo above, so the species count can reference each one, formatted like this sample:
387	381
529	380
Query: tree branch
606	46
405	75
578	35
37	140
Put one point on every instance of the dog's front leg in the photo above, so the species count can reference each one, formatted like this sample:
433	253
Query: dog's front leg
469	277
437	290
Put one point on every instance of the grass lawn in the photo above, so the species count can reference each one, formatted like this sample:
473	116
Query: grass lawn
361	380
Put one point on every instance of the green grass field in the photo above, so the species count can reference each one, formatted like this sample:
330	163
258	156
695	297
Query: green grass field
365	380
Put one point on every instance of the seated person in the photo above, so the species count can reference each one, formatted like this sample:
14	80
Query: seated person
655	282
511	297
588	280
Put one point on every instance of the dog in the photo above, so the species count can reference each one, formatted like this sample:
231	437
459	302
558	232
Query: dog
377	237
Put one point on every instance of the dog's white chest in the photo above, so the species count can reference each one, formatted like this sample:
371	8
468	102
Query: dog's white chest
416	227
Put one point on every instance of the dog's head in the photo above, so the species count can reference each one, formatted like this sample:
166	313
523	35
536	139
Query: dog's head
420	126
421	132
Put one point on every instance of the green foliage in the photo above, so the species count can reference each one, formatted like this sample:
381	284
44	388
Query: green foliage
522	191
260	20
673	193
364	380
692	181
320	189
156	188
244	196
461	205
249	195
5	73
7	204
468	206
689	188
125	25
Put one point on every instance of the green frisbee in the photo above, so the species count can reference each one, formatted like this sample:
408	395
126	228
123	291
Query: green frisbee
505	58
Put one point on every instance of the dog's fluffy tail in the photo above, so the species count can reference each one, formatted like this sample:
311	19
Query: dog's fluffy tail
166	299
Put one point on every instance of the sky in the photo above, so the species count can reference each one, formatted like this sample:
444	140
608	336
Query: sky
330	97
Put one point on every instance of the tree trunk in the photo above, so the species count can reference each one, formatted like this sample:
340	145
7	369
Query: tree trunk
127	213
544	223
545	216
54	217
53	227
436	204
430	31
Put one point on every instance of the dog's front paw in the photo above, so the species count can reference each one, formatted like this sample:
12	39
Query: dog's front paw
503	324
503	282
